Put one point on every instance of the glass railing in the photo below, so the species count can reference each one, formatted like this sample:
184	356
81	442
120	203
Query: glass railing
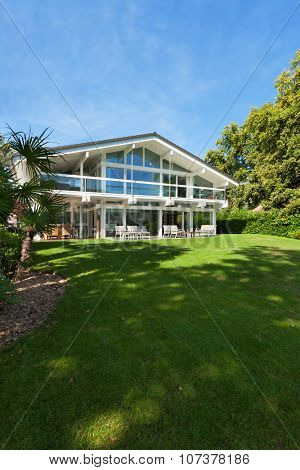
65	183
142	189
138	188
212	194
93	186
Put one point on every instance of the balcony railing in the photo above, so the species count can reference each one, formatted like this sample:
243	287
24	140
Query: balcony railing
138	188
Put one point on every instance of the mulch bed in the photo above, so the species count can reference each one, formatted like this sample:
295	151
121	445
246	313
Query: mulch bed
38	293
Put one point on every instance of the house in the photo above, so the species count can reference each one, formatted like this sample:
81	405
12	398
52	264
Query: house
137	180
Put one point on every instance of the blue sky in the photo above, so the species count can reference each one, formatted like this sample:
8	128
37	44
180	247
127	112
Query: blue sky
129	67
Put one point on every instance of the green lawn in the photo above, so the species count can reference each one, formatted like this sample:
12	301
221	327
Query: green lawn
194	344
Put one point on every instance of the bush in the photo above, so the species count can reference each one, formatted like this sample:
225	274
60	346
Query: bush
276	222
10	248
295	235
6	289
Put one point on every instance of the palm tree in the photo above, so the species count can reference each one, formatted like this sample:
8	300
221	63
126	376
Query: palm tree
33	202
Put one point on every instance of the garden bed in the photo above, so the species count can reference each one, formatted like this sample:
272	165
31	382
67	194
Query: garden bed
38	293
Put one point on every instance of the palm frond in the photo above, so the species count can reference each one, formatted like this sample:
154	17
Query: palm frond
38	155
7	192
42	216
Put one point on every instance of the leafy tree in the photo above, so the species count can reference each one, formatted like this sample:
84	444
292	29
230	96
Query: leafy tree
32	201
264	152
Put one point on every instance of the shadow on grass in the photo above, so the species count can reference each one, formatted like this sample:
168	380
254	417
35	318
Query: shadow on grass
150	369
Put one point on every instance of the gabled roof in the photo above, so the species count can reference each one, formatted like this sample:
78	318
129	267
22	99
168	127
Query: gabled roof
142	136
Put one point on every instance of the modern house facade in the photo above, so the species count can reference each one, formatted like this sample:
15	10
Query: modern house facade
143	180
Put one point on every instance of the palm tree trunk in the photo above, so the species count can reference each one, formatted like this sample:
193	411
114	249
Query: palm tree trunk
26	246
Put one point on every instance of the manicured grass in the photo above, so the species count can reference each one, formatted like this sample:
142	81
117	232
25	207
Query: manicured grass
150	367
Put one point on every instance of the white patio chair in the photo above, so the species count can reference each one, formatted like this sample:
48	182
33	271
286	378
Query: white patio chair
144	232
167	230
176	232
133	232
119	229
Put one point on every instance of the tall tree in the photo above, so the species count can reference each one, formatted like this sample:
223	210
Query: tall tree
265	150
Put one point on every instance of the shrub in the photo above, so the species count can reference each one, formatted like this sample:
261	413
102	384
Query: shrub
10	247
6	289
276	222
295	235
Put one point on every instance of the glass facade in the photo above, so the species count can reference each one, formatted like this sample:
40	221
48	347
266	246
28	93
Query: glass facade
173	166
172	218
152	160
181	180
135	157
201	218
113	217
147	218
64	183
169	191
140	188
114	186
94	186
115	157
142	166
198	181
64	218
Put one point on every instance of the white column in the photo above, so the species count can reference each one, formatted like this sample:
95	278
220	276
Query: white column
161	191
103	175
182	220
72	216
103	221
214	218
80	221
97	214
124	217
90	219
189	192
160	231
81	176
191	219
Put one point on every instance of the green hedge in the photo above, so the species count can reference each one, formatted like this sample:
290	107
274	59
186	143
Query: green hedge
10	247
275	222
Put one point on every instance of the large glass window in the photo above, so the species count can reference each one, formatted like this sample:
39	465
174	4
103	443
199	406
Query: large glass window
181	181
140	188
146	218
114	186
152	160
201	218
135	157
176	167
169	191
172	218
198	181
77	217
173	166
113	217
115	157
64	218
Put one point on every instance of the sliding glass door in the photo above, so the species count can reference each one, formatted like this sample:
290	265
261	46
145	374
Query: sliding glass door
146	218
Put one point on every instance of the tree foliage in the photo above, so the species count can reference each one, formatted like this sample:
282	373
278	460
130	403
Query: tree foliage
31	201
264	152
